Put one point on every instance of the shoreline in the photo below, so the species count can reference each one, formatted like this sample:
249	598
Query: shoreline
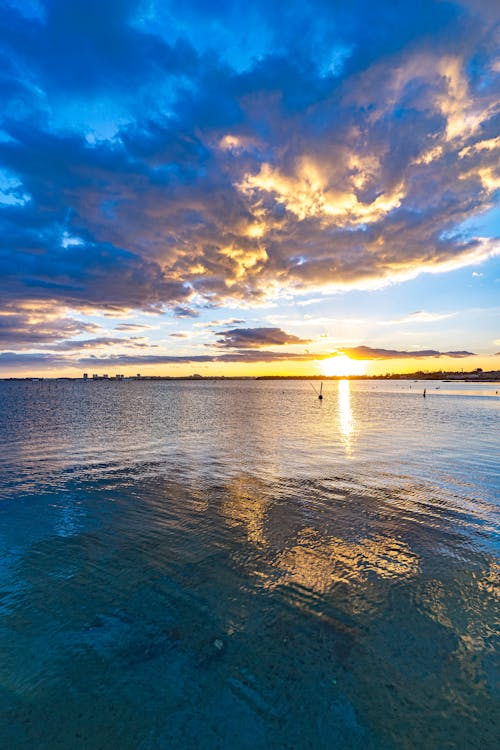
486	377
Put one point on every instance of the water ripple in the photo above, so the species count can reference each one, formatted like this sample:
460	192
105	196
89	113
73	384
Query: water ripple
225	565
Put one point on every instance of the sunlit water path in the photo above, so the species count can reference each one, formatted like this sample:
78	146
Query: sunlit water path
238	565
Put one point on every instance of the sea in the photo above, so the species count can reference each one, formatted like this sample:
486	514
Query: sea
237	564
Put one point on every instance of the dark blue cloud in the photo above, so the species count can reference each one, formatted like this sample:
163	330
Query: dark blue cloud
100	276
250	338
84	46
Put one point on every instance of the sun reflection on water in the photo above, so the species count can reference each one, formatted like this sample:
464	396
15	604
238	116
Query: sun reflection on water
346	418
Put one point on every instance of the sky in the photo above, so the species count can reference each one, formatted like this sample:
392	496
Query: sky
229	188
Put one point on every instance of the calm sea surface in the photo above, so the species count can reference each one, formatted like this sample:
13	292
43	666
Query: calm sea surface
238	565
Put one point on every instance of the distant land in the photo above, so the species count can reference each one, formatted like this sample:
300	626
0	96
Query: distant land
474	376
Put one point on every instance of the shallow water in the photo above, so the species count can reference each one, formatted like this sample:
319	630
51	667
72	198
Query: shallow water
235	565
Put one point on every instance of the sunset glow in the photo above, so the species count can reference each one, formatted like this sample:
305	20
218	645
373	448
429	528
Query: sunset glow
248	195
343	367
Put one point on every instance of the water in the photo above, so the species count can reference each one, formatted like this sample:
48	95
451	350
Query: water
235	565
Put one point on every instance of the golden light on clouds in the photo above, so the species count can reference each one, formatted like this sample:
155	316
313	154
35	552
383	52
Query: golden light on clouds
243	260
308	192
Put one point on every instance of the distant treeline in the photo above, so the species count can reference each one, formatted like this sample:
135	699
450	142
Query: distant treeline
472	376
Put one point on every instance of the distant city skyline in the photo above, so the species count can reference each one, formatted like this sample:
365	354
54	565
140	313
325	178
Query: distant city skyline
234	189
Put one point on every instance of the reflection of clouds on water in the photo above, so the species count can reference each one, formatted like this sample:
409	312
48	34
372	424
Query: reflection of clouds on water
315	558
491	581
320	564
346	418
246	504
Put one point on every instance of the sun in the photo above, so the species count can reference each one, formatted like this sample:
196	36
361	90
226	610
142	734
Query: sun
342	366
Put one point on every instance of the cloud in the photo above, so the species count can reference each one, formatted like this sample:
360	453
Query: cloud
102	342
132	327
367	352
54	361
38	360
100	45
27	327
212	323
181	311
236	356
419	317
324	146
256	337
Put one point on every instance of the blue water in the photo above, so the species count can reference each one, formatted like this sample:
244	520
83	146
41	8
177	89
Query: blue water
237	565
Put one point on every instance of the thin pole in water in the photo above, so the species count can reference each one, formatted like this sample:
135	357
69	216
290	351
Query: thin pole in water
319	393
